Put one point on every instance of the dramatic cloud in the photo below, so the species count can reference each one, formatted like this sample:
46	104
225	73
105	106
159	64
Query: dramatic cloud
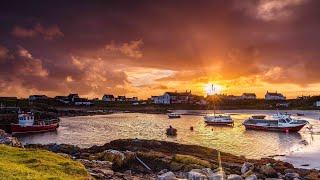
131	49
144	48
48	33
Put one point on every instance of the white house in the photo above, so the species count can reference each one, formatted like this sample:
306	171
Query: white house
317	103
248	96
108	98
274	96
164	99
172	98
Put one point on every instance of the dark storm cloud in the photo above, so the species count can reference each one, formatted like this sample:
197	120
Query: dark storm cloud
93	42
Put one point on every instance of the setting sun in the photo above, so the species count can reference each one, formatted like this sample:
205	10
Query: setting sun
211	88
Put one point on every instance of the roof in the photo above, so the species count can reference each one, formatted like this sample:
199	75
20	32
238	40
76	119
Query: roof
178	94
249	94
274	94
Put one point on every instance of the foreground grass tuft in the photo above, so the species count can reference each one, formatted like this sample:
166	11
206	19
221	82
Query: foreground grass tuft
18	163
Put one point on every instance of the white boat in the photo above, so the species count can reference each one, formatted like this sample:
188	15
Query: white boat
284	124
220	119
174	115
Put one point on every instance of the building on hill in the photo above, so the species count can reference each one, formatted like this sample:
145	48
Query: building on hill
173	98
108	98
37	97
248	96
72	97
274	96
121	99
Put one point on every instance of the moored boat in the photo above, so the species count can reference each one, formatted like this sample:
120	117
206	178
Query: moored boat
218	119
27	124
258	116
283	125
174	115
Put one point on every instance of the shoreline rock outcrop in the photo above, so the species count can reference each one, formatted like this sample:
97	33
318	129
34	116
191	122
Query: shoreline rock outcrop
7	139
167	160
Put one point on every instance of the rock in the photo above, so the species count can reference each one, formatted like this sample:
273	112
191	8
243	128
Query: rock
289	171
7	139
251	177
248	173
207	171
246	167
167	176
268	171
105	172
129	172
163	171
114	156
193	175
217	176
95	163
291	176
97	175
234	177
65	155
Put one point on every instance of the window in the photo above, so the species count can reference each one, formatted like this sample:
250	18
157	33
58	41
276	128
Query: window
282	121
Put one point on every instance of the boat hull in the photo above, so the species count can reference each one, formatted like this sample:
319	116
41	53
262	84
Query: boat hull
18	129
274	128
211	123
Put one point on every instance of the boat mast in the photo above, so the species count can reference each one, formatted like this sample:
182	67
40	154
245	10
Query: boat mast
214	105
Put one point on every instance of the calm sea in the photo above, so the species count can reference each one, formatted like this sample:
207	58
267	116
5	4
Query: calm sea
299	148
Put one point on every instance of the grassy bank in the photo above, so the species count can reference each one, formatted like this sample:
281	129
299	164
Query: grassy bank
18	163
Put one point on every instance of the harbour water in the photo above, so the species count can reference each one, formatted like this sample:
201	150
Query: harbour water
301	148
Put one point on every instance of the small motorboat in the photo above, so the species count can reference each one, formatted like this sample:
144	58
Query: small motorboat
27	124
258	116
220	119
174	115
283	124
171	131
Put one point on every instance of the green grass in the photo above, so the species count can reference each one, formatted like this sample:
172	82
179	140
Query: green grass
18	163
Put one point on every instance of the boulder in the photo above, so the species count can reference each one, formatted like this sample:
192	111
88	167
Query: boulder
207	171
217	176
234	177
114	156
167	176
291	176
7	139
105	172
247	167
95	163
268	171
194	175
252	177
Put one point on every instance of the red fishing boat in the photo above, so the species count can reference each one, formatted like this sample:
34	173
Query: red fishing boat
27	124
283	124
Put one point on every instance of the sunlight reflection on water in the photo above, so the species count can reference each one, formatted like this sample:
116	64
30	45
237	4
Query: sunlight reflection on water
97	130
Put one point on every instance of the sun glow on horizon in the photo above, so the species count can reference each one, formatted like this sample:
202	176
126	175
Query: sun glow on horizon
212	88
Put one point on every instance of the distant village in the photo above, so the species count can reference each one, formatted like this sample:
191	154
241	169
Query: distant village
168	98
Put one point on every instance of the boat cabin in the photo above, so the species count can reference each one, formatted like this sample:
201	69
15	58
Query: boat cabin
26	119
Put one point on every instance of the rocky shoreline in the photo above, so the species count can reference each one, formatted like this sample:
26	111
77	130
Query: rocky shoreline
162	160
151	159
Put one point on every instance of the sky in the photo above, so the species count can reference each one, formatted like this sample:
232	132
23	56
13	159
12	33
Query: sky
143	48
